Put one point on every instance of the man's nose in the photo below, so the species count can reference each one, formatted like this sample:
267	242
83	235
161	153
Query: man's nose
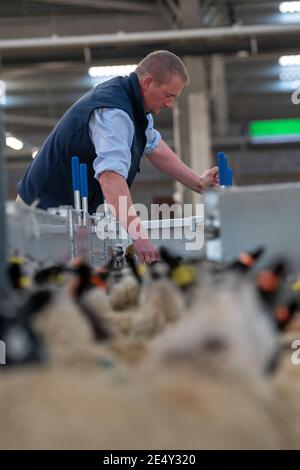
169	103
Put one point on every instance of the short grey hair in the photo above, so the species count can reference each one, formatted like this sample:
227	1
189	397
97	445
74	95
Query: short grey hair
163	66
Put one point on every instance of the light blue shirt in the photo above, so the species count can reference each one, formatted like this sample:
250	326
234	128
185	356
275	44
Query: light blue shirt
111	131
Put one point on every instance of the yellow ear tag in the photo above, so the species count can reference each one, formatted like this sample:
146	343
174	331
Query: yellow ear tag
184	275
142	269
58	278
24	282
16	259
296	285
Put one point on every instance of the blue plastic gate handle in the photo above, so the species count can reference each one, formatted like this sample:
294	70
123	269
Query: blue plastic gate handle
75	174
222	165
228	176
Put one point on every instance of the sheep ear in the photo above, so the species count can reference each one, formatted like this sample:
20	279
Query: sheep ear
22	344
100	329
133	266
269	282
111	263
36	302
28	346
42	276
83	274
170	259
246	260
285	313
14	273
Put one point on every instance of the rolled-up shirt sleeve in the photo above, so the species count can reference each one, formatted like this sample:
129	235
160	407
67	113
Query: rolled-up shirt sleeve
111	131
152	135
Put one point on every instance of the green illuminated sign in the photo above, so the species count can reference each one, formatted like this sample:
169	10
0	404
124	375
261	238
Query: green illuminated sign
274	127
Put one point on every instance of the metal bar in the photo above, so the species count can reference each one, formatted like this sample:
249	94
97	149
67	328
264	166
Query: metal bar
76	182
165	13
175	10
3	281
116	5
149	37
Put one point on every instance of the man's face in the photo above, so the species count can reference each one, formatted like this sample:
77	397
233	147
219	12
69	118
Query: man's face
157	96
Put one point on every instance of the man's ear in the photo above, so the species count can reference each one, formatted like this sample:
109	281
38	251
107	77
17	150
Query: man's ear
146	82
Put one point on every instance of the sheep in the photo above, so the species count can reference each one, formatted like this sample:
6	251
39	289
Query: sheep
22	343
61	409
202	382
230	326
125	294
191	392
96	300
63	325
161	304
286	383
215	362
175	408
141	309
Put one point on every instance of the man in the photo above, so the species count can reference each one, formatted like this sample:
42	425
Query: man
110	128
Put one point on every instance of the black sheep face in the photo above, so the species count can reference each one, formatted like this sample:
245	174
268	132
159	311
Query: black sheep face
22	345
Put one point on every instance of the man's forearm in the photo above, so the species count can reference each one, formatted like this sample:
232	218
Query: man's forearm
117	195
167	161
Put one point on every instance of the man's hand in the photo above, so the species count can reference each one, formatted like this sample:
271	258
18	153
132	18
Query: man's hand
146	250
163	158
114	187
210	178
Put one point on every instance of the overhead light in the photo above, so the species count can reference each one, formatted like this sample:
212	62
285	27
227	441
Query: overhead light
289	75
14	143
295	84
34	152
111	70
289	7
2	92
288	60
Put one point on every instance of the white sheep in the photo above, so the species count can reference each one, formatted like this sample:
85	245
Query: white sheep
286	384
161	303
192	392
222	324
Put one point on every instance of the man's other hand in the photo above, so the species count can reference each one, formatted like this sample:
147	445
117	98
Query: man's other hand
210	178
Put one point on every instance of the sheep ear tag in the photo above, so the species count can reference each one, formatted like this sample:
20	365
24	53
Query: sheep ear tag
14	259
184	275
142	269
285	313
267	281
99	281
296	285
246	260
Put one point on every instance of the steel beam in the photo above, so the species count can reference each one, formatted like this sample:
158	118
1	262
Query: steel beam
116	5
